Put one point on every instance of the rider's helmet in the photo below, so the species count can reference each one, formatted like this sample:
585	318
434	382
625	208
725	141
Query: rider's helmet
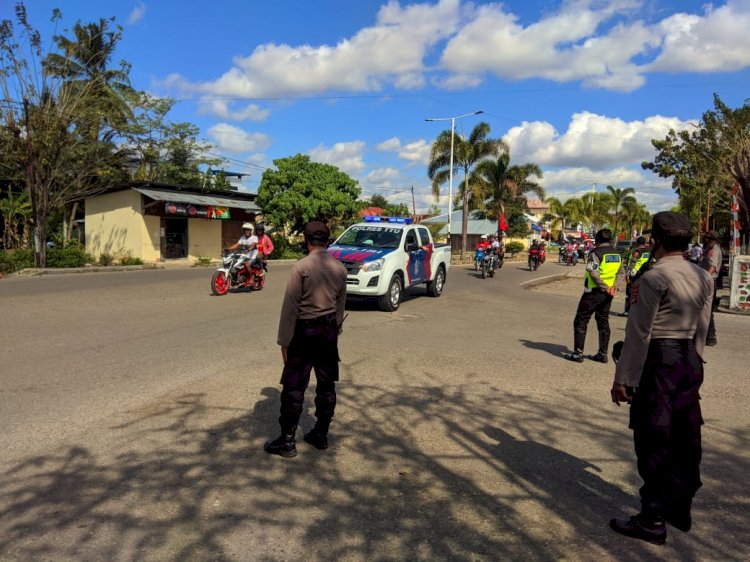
248	226
483	237
535	243
260	229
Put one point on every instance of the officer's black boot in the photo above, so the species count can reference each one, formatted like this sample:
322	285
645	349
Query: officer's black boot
284	445
678	515
576	356
647	528
318	435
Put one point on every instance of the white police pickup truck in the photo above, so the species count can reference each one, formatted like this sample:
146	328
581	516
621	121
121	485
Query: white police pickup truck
385	255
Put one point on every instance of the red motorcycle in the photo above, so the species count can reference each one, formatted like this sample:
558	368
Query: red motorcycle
237	275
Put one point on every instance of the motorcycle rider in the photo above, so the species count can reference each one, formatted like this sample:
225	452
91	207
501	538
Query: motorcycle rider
249	244
265	245
534	251
542	251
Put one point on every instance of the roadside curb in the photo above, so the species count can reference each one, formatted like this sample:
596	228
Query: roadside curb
545	280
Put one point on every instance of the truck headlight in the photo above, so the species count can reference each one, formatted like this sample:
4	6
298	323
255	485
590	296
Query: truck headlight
375	265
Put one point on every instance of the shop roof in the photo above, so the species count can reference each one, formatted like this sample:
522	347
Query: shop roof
198	198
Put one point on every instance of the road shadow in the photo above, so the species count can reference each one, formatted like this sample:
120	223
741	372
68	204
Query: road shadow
191	482
552	348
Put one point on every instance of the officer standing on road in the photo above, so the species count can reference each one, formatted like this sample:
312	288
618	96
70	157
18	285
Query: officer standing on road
604	272
659	373
712	258
638	258
311	319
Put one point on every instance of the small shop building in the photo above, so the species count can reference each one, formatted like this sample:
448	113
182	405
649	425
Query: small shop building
157	222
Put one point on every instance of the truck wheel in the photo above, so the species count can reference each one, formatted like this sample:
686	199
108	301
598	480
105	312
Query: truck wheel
390	301
435	287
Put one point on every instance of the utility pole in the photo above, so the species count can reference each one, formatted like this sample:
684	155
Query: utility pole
413	206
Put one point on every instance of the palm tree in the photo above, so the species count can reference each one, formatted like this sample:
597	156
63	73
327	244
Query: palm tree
561	214
84	69
635	217
620	197
595	208
467	153
15	209
500	183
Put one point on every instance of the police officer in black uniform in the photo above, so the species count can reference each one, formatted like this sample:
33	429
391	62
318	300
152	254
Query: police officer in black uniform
311	319
604	272
659	373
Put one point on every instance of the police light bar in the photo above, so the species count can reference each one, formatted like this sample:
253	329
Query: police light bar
399	220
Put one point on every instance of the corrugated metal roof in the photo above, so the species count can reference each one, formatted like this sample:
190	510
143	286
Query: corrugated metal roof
195	199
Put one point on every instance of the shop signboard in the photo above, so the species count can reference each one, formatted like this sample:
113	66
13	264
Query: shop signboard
221	213
197	211
175	209
739	296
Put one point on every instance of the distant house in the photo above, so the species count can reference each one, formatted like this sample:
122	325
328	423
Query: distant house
371	212
537	209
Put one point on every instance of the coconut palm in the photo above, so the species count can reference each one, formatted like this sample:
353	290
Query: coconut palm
620	197
561	214
467	153
635	217
83	66
501	183
595	207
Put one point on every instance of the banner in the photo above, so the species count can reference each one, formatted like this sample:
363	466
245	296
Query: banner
195	211
175	209
221	213
739	295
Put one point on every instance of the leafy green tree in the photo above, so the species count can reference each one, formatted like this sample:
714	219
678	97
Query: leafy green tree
397	210
46	138
467	153
705	162
16	212
300	190
564	214
379	201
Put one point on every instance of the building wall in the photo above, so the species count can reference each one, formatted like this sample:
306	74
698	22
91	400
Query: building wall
115	225
204	238
151	239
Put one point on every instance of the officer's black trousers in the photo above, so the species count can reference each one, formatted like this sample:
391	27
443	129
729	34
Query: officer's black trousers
314	345
711	334
595	303
666	420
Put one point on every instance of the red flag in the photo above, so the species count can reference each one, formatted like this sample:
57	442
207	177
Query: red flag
622	236
502	225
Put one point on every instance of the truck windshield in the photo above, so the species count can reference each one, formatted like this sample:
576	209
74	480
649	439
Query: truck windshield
368	236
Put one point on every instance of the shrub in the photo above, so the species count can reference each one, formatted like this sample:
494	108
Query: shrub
72	256
203	261
129	260
284	249
514	247
15	260
106	259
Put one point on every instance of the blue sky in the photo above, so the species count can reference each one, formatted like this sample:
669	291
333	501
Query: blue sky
579	87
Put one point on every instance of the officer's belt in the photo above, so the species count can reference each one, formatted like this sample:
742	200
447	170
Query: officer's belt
316	321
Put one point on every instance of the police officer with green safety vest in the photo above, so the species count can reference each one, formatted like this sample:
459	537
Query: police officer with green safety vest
638	258
604	273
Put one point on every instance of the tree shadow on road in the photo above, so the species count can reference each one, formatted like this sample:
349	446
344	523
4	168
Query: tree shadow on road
416	472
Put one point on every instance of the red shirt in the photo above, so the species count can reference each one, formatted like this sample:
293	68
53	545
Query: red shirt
265	245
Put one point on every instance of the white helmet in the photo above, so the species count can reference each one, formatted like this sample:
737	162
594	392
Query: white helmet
483	237
248	226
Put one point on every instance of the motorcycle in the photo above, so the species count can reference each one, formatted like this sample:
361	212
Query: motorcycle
571	258
235	275
488	265
534	261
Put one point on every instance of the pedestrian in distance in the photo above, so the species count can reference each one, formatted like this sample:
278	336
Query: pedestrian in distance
311	320
712	258
604	273
638	258
659	373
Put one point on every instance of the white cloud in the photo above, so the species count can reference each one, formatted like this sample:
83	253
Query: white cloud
591	140
391	51
220	108
417	152
382	177
390	145
137	14
347	156
233	139
717	41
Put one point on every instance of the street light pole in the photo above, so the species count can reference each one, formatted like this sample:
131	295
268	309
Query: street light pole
450	171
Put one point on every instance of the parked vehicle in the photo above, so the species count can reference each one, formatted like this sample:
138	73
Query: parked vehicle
233	274
386	255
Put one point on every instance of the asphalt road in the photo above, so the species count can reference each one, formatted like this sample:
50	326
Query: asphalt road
134	407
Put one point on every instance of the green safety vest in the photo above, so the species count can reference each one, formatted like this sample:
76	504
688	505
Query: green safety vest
609	264
642	260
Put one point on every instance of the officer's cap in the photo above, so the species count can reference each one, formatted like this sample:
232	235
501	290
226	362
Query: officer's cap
317	230
712	235
671	224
